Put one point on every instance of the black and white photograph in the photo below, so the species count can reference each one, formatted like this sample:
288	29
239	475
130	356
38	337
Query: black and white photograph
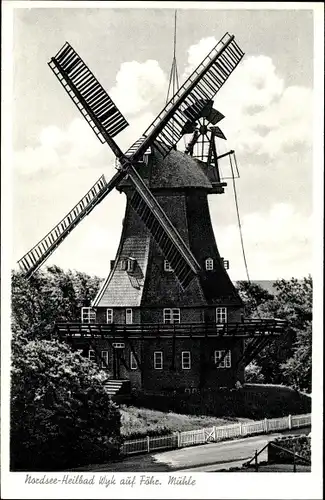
162	249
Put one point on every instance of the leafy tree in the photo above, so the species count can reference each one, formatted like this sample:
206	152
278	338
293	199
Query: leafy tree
253	296
47	297
297	369
61	415
292	301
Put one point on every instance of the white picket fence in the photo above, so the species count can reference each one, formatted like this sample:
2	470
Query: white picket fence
213	434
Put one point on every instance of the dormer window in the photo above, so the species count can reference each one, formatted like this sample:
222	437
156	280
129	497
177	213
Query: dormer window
225	263
209	264
128	264
123	264
167	267
131	265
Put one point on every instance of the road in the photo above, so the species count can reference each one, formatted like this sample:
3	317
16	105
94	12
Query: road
204	458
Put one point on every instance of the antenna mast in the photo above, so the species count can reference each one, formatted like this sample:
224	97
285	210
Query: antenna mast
173	78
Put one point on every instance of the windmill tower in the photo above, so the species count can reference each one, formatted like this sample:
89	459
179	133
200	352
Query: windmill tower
168	316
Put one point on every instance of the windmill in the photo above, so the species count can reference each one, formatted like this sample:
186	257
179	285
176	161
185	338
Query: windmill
168	314
107	121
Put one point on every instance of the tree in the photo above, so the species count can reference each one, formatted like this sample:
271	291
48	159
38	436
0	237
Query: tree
253	296
298	368
47	297
292	301
61	415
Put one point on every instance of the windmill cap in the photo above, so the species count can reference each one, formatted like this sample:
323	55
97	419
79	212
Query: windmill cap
177	170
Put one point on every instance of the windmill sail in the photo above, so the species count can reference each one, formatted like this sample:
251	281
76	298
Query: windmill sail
107	121
87	93
181	259
208	78
33	259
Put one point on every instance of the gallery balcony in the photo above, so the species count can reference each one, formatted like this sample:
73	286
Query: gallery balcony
246	329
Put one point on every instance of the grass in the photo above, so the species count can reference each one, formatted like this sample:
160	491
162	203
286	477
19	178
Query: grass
140	422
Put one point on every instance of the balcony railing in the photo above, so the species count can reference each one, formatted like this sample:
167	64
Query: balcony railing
247	328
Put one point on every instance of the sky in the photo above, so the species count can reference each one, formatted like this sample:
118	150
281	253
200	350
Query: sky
268	108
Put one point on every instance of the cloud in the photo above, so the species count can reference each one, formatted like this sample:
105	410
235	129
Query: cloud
263	116
278	243
196	53
269	125
138	86
59	150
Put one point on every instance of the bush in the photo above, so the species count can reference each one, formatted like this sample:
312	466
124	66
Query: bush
61	416
298	444
251	401
253	374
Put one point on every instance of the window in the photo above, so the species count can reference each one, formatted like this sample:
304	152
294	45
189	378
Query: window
104	359
167	266
172	316
186	360
92	355
221	315
209	264
128	264
225	263
226	361
128	316
131	265
109	316
88	315
123	265
133	362
158	360
118	345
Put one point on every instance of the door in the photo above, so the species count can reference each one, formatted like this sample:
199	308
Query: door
116	363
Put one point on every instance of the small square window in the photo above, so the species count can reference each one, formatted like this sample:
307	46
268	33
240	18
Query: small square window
158	360
109	316
167	266
172	316
209	264
88	315
226	359
186	360
221	315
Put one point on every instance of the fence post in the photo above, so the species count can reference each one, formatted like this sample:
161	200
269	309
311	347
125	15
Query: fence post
256	461
178	439
148	444
266	425
214	434
289	422
240	429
